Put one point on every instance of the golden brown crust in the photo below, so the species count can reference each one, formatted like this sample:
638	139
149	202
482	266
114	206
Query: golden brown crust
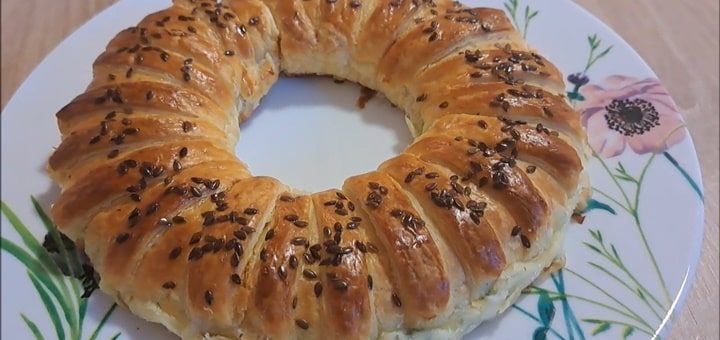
348	311
435	241
421	286
455	214
274	280
535	144
432	39
506	184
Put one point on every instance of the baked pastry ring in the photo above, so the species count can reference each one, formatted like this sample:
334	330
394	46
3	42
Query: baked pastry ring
438	239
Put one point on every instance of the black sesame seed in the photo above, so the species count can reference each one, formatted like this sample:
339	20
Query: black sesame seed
299	241
525	241
235	278
396	300
340	284
309	274
302	324
209	297
286	198
318	289
114	153
282	272
168	285
122	238
164	222
432	175
175	252
187	126
183	152
443	105
152	208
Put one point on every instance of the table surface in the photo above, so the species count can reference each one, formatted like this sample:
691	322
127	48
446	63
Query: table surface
684	54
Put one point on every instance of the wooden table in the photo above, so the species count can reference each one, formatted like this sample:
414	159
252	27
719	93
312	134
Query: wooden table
678	38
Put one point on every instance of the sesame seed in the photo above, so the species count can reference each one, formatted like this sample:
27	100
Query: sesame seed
175	252
188	126
309	274
235	278
282	272
286	198
396	300
152	208
302	324
547	111
209	297
270	234
122	238
525	241
318	288
168	285
114	153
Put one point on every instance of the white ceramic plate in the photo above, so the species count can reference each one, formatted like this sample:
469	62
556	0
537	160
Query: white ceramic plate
629	264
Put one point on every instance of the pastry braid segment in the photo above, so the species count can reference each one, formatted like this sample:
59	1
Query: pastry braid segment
455	214
274	281
422	288
534	144
117	238
345	311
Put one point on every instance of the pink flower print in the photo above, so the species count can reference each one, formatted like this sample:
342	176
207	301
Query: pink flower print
624	111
